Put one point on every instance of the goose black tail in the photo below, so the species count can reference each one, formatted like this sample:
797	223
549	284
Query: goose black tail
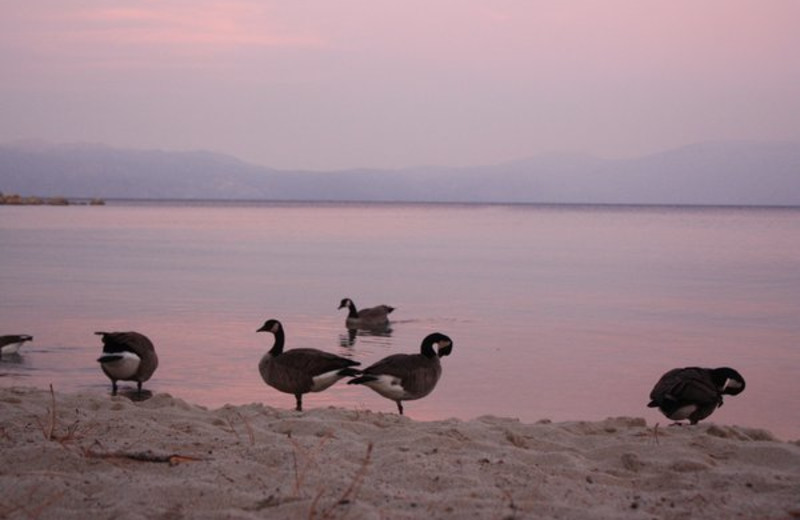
349	372
361	380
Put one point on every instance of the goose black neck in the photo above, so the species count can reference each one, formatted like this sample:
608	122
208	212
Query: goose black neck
427	348
277	347
719	376
351	308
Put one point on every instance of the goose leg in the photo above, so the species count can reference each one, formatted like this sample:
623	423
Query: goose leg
139	388
299	406
113	387
400	407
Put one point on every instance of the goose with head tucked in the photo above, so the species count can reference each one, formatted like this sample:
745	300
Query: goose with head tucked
694	393
127	356
405	377
11	343
370	318
301	370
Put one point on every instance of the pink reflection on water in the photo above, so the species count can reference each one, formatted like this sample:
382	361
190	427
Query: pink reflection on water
564	315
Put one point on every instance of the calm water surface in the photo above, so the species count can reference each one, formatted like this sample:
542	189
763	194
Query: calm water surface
562	313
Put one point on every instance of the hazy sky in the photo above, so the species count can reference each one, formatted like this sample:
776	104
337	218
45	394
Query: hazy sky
326	84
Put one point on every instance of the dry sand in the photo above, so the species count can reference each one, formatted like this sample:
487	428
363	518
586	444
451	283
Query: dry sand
96	456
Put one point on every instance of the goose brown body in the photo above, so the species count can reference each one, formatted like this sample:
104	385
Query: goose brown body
119	359
301	370
11	343
694	393
406	377
370	318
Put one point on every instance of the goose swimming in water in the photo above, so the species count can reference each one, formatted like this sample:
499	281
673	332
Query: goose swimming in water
370	318
694	393
405	377
11	343
127	356
300	370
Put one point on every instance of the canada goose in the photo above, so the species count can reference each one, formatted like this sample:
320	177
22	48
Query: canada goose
10	344
694	393
405	377
300	370
371	318
127	356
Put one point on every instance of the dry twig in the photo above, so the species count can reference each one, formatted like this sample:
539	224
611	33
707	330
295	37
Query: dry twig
250	433
309	456
144	456
350	494
233	428
49	425
31	511
247	426
47	429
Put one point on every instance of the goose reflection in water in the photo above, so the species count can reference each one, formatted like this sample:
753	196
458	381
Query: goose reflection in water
349	339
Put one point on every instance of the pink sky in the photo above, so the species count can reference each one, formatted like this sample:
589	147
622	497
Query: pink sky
335	84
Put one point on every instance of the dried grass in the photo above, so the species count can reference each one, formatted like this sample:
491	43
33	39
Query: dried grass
29	506
347	497
309	459
50	424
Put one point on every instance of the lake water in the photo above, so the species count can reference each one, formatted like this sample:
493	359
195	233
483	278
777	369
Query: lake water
557	312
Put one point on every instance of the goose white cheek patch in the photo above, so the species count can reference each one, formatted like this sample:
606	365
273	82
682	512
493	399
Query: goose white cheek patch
732	384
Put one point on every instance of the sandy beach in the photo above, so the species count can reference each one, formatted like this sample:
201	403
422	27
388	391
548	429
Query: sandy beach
95	456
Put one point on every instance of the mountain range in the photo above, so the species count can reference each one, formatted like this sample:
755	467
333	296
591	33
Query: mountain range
711	173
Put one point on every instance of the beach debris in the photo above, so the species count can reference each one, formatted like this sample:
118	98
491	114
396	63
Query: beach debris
49	423
173	459
348	496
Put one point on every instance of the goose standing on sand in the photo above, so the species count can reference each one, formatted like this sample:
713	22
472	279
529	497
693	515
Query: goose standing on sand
370	318
127	356
694	393
300	370
10	344
405	377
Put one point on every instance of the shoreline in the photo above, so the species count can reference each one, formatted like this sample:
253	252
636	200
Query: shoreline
69	455
14	199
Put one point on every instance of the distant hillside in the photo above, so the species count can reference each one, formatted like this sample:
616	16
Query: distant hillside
743	173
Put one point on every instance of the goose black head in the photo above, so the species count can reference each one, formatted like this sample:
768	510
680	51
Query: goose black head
346	302
728	380
443	343
272	326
